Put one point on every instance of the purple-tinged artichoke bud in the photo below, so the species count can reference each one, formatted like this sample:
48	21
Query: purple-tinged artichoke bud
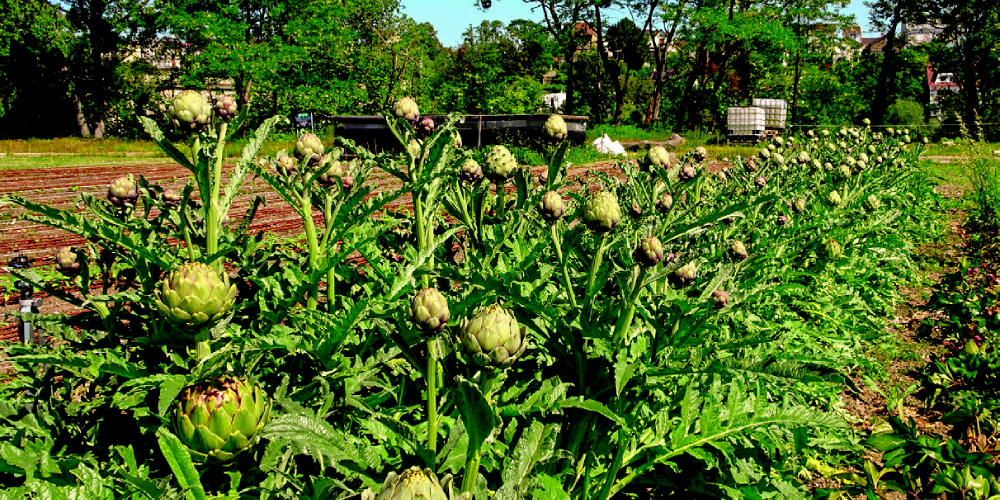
799	205
470	171
601	212
347	183
225	108
649	251
721	298
738	250
555	128
761	182
68	261
636	211
425	126
665	203
331	170
656	157
220	418
123	191
687	173
782	220
406	108
750	165
171	198
189	111
500	164
286	165
429	310
686	273
309	147
552	206
700	154
493	337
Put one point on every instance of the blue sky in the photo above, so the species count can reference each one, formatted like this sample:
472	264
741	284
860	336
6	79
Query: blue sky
452	17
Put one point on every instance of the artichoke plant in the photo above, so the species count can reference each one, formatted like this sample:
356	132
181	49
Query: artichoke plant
68	261
700	154
194	293
225	108
721	298
221	417
738	250
649	251
189	111
123	191
687	173
416	484
686	273
555	128
171	198
470	171
552	206
500	164
406	108
285	165
601	212
429	310
656	157
665	202
493	338
309	147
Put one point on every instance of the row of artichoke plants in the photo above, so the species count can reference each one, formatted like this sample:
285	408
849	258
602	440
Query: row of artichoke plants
665	328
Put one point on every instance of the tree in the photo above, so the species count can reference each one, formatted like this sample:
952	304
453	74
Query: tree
628	44
888	15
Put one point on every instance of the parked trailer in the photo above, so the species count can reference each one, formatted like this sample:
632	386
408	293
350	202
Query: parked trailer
477	130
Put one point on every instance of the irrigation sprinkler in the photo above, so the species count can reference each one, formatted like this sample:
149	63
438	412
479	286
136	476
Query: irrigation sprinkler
29	304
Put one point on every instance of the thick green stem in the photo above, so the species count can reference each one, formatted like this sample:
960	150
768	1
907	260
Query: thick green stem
418	210
563	263
201	347
432	369
625	320
595	265
616	465
213	217
471	473
501	203
311	241
331	275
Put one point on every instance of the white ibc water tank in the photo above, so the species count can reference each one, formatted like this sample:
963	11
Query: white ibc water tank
746	121
775	112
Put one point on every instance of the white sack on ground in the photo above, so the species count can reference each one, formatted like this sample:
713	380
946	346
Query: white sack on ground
605	145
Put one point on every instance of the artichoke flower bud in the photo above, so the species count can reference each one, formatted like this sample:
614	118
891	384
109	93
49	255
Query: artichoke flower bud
500	164
601	212
761	182
458	139
425	126
415	484
832	249
406	108
493	338
171	198
700	154
309	147
834	198
782	220
123	191
873	203
194	293
225	108
347	183
220	418
867	122
429	310
824	133
799	205
686	273
750	165
555	128
687	173
738	250
657	156
764	153
470	171
665	203
778	158
649	251
189	111
778	141
413	147
68	261
552	206
721	298
331	170
863	157
802	158
286	165
844	172
636	211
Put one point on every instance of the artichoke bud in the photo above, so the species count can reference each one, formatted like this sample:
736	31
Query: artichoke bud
225	108
470	171
425	126
834	198
873	203
723	176
347	183
555	127
700	154
429	310
220	418
286	166
493	338
833	249
738	250
406	108
750	165
68	261
799	205
413	147
782	220
778	141
761	182
665	203
189	111
500	164
778	158
765	153
552	206
601	212
635	211
867	122
416	484
803	158
686	273
331	171
649	251
657	156
687	173
194	293
844	171
721	298
171	198
123	191
309	147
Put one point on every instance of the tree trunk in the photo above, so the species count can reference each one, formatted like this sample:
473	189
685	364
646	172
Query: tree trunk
81	119
887	75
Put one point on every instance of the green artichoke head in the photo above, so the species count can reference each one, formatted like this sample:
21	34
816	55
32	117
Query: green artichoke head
225	108
601	212
656	157
309	147
220	418
700	153
500	164
799	205
407	109
493	338
832	249
331	171
286	165
417	484
552	206
189	111
686	273
470	171
555	128
873	203
834	198
123	191
194	293
429	310
68	261
171	198
738	250
665	203
649	251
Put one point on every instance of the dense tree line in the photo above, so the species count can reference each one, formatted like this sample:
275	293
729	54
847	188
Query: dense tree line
88	67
